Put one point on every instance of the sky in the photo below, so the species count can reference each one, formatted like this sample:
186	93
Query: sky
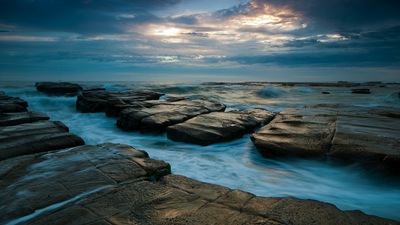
193	40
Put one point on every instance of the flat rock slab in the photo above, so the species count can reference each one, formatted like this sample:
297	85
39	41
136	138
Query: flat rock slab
40	136
12	104
59	88
156	116
353	134
112	102
116	184
10	119
219	126
47	181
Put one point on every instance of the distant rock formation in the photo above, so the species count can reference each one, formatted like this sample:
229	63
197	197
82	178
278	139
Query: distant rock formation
361	91
218	126
354	134
59	88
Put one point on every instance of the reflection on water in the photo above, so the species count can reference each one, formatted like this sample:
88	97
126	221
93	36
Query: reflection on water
237	164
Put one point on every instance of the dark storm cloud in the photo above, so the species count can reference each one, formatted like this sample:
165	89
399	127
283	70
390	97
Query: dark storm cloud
345	14
83	16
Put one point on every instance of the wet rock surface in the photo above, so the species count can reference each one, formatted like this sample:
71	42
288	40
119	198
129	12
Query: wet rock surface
24	133
117	184
218	126
112	102
156	116
12	104
354	134
59	88
40	136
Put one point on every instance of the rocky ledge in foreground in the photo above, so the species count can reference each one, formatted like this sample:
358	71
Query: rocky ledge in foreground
218	126
116	184
24	133
353	134
12	104
156	116
59	88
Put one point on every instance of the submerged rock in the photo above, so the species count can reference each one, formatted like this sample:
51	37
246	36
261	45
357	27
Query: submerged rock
59	88
112	102
367	135
112	183
218	126
156	116
360	91
12	104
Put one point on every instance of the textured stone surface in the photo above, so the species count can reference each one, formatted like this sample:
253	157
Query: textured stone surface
59	88
116	184
218	126
11	104
9	119
112	102
33	182
354	134
40	136
158	115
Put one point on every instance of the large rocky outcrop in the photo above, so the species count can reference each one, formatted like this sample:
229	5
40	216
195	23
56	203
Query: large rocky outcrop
158	115
353	134
116	184
12	104
112	102
59	88
218	126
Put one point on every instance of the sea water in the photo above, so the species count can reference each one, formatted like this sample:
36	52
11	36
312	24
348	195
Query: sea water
237	164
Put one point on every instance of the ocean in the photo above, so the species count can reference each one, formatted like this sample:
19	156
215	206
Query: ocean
237	164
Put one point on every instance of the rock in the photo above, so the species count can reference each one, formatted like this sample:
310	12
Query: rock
12	104
9	119
112	102
352	134
360	91
40	136
218	126
59	88
47	181
156	116
116	184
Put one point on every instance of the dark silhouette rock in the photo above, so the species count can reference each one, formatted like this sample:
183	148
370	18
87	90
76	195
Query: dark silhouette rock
59	88
9	119
112	102
112	183
370	136
156	116
218	126
12	104
360	91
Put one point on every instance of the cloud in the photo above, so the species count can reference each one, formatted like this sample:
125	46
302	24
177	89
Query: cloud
79	16
344	14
